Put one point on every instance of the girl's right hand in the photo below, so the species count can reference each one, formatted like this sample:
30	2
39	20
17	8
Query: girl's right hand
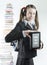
26	32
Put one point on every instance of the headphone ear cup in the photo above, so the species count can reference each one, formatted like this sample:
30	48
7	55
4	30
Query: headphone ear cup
23	11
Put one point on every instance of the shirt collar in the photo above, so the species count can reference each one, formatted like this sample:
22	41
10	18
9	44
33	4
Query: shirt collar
29	22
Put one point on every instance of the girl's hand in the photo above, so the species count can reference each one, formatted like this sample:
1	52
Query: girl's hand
41	45
26	32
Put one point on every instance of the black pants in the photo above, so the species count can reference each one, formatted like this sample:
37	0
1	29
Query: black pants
24	61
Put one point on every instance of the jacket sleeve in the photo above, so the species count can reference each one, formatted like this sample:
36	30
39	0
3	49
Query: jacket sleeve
15	34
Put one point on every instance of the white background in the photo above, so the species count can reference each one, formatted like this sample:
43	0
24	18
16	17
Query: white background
41	6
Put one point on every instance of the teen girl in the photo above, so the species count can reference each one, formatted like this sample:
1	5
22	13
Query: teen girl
28	22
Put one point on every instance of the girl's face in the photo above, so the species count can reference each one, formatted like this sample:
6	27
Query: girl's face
30	14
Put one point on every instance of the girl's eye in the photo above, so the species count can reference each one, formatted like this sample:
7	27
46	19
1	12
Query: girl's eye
33	13
30	13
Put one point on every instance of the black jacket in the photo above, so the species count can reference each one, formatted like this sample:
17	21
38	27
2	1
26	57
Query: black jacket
16	34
